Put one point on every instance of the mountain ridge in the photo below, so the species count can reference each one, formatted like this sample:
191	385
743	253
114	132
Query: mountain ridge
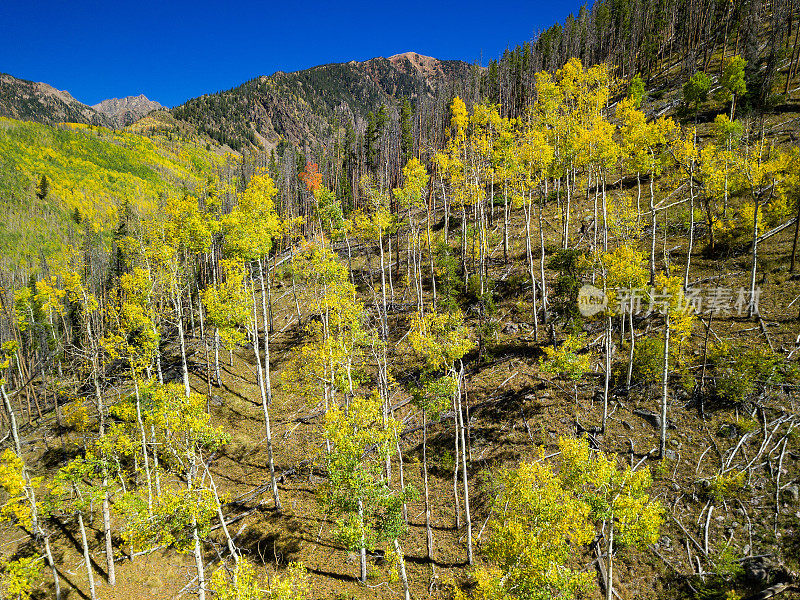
123	111
303	107
41	102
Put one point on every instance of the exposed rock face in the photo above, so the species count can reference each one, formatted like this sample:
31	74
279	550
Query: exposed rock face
121	112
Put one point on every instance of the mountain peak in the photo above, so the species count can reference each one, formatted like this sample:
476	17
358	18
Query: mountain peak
427	66
124	111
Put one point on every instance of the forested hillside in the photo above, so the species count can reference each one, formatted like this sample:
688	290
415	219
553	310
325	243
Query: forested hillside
308	108
33	101
58	182
531	334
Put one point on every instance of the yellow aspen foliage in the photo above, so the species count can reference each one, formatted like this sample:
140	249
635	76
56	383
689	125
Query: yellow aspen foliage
536	528
542	515
18	577
228	303
415	180
439	339
624	268
16	506
612	491
623	218
568	358
7	351
239	582
459	121
242	583
294	584
668	297
130	330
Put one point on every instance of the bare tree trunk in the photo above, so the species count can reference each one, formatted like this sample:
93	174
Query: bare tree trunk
751	309
691	228
607	369
401	559
182	340
52	564
541	267
87	559
216	357
363	549
664	380
145	453
428	530
630	350
221	517
505	221
457	465
610	562
653	233
35	524
198	548
208	358
268	387
264	405
461	427
110	567
198	561
528	208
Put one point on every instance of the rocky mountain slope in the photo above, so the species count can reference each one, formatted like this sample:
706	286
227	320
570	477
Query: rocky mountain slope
35	101
40	102
303	106
120	112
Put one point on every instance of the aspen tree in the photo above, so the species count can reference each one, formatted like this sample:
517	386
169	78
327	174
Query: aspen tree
250	229
411	196
617	497
226	305
21	506
70	493
668	298
187	435
130	336
624	273
367	510
439	340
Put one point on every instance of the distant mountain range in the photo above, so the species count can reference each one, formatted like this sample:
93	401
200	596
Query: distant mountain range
35	101
301	107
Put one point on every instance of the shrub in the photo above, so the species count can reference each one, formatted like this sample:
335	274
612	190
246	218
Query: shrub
744	370
565	359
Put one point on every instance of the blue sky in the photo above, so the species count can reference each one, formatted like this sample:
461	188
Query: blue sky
172	51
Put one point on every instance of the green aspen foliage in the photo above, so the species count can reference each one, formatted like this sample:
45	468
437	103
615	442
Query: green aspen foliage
695	91
732	81
365	509
636	90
